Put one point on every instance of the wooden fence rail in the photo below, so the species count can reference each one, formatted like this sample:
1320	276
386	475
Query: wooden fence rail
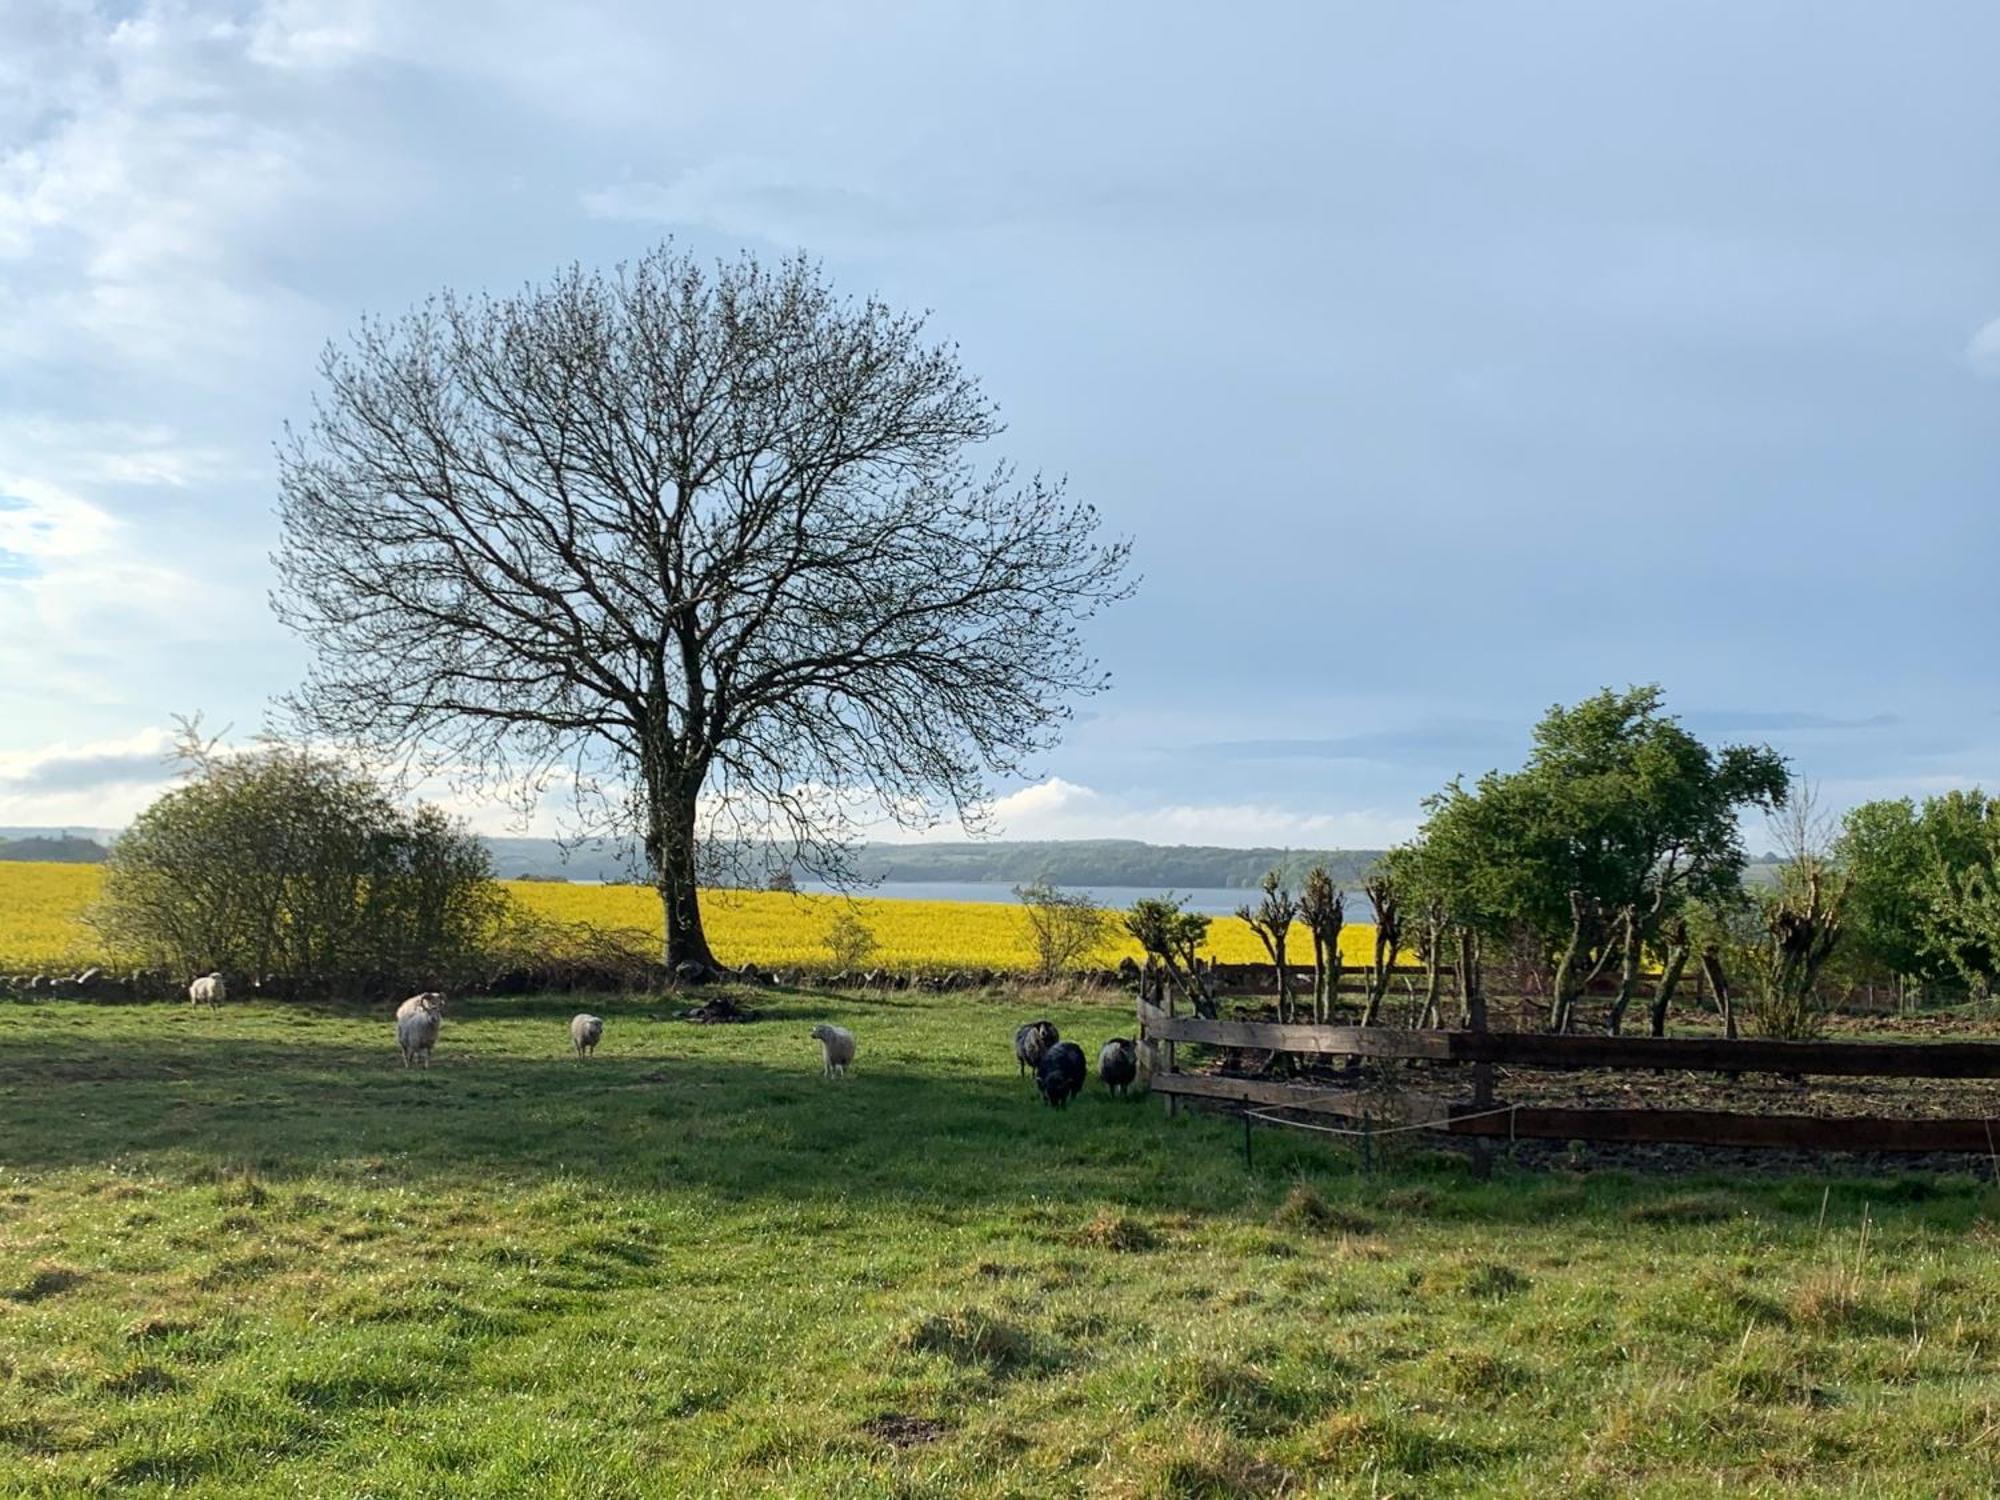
1161	1032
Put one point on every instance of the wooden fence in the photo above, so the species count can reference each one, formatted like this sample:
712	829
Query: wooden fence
1162	1033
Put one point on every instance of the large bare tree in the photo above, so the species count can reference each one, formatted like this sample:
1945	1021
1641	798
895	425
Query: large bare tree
703	542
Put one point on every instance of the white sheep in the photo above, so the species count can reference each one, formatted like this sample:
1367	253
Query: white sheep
584	1034
837	1042
208	990
417	1022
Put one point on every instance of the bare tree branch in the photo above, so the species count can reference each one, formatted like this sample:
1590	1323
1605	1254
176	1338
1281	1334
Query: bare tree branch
704	542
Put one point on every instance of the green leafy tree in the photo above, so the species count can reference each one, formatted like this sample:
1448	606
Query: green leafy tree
1918	882
1618	818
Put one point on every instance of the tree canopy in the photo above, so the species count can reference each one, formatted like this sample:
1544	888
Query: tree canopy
1922	898
1618	818
701	544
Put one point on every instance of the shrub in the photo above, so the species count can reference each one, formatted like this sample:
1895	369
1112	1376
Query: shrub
849	940
1065	927
288	863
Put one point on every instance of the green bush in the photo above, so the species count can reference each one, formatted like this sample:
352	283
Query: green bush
286	864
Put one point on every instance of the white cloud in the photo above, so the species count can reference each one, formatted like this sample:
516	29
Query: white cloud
134	204
82	597
1982	353
94	784
1059	809
758	198
306	34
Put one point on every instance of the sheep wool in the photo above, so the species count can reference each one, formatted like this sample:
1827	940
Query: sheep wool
584	1034
1118	1064
1061	1074
1032	1042
837	1043
417	1021
208	990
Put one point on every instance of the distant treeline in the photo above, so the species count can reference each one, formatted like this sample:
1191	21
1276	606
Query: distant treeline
1105	862
61	849
1095	862
1092	862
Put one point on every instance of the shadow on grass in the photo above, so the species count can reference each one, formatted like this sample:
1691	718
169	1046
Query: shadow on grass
934	1117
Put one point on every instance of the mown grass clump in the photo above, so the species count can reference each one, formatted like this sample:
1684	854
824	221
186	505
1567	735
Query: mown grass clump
244	1252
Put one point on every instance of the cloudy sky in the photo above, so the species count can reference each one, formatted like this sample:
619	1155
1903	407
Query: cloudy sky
1444	360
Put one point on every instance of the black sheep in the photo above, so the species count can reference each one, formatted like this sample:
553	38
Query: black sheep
1118	1064
1032	1042
1061	1073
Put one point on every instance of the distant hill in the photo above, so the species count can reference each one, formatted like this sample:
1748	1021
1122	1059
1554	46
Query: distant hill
60	848
1082	862
1095	862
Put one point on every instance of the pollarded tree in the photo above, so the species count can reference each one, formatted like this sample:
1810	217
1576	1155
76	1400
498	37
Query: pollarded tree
1172	936
1323	909
1383	895
1271	919
703	543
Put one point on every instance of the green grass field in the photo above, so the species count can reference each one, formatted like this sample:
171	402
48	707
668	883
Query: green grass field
245	1253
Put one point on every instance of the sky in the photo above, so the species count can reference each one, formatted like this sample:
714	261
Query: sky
1443	361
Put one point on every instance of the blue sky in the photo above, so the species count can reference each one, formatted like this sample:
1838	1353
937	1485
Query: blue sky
1443	360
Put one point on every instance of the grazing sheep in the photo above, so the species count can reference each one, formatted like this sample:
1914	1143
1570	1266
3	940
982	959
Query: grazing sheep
1118	1064
1061	1073
417	1022
584	1034
1032	1041
208	990
837	1042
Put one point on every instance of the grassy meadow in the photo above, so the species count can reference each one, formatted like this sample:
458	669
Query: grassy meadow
243	1252
42	906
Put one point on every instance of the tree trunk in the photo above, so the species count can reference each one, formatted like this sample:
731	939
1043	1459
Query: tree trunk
1379	975
1569	967
1319	978
1628	975
1670	975
1469	986
1711	968
670	846
1432	979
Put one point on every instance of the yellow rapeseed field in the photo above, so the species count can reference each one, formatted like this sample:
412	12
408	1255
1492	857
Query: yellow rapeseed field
41	914
774	929
41	907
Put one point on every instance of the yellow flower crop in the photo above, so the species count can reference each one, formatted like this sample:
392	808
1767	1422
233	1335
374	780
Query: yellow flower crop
41	907
774	929
41	914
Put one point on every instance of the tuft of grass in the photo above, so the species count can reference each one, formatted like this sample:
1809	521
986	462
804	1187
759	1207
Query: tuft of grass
1116	1231
1304	1209
1473	1278
971	1336
1680	1208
